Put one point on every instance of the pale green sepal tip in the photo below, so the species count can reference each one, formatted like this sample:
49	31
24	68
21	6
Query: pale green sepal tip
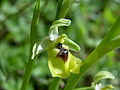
108	87
103	75
72	45
36	49
40	46
53	34
62	22
102	87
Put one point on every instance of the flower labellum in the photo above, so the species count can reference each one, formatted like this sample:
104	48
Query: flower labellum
63	53
61	62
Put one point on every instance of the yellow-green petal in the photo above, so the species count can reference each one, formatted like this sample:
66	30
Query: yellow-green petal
57	65
74	64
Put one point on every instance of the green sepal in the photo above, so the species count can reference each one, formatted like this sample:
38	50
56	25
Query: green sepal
103	75
100	76
108	87
40	46
53	34
72	45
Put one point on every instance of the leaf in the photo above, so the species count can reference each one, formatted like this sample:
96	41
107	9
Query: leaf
103	75
33	39
35	19
113	33
64	8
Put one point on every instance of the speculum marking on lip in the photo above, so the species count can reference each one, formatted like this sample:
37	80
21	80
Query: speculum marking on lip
63	53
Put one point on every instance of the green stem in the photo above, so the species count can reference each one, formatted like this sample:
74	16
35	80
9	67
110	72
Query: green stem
108	43
76	77
92	58
62	9
27	74
85	88
33	39
55	83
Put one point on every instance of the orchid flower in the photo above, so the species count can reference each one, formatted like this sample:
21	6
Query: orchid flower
60	60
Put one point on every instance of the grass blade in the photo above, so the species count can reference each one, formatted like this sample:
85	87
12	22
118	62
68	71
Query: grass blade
33	39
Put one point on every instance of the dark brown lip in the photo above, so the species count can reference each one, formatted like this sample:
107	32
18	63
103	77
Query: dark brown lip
63	53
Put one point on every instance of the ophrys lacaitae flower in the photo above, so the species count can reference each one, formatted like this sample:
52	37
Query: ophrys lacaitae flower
60	60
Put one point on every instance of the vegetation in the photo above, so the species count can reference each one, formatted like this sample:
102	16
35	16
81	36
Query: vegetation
95	27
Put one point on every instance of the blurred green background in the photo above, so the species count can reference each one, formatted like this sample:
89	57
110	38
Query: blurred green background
91	20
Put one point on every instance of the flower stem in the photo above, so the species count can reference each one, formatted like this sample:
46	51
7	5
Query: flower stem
62	9
55	83
110	42
27	74
33	39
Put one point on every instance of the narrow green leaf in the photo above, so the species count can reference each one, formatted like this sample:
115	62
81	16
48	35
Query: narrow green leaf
35	19
64	8
33	39
58	8
113	33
